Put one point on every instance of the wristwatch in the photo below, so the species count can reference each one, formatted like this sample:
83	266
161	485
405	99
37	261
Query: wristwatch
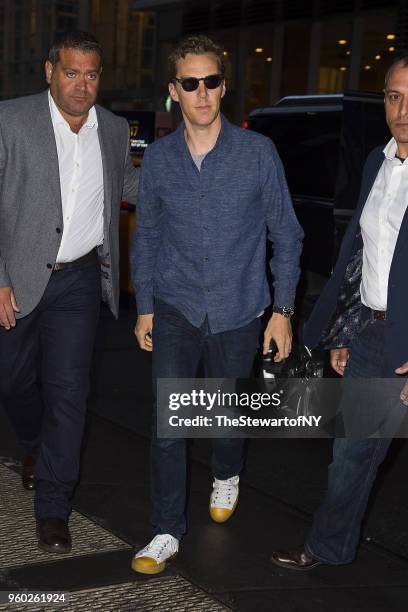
285	311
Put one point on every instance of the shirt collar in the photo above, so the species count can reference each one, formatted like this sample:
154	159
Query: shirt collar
58	119
390	150
223	137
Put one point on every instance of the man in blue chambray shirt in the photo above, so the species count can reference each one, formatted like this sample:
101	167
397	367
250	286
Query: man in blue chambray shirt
210	194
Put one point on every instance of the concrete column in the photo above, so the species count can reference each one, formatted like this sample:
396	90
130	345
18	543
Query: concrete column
277	62
5	43
314	58
356	49
84	17
10	49
240	75
121	36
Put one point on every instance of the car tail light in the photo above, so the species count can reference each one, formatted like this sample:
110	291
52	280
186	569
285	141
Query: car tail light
245	124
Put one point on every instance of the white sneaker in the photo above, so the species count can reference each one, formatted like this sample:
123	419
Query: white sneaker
224	499
152	558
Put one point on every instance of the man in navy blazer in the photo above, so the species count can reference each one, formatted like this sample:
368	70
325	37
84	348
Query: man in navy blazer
362	317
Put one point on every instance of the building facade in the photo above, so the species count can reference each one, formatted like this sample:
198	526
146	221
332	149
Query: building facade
275	48
28	27
272	48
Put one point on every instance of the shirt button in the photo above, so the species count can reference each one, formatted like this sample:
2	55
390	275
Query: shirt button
201	195
58	230
49	266
205	258
208	291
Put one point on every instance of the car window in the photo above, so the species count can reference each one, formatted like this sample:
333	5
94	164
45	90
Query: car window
364	128
308	144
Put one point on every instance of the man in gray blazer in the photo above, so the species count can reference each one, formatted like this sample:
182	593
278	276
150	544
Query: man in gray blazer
64	168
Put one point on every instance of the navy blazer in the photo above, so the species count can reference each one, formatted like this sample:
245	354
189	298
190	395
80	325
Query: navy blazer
325	315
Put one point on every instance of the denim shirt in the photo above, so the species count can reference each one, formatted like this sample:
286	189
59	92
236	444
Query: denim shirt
200	238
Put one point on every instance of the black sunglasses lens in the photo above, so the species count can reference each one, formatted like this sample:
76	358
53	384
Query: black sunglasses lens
213	81
190	84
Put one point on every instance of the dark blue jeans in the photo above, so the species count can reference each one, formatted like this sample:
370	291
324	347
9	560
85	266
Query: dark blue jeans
335	532
178	348
45	362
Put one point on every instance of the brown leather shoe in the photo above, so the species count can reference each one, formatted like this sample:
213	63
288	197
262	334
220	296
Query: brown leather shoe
27	472
53	535
296	559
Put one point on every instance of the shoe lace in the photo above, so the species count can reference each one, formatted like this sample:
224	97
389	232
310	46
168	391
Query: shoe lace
158	545
223	491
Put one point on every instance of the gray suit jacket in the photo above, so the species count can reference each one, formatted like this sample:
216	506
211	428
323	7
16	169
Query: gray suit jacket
30	198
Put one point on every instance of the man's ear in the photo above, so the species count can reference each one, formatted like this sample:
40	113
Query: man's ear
173	92
49	69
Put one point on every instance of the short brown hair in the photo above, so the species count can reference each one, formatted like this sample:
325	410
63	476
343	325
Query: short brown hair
197	45
79	40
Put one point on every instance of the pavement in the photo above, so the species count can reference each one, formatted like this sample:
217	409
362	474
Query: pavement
219	567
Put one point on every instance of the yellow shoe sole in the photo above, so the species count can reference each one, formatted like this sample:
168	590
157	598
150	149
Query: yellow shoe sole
147	565
221	515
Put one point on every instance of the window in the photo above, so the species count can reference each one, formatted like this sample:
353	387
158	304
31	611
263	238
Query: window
377	50
317	136
295	61
335	54
228	40
258	66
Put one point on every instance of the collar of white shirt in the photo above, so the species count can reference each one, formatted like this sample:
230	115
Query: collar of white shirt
391	150
58	119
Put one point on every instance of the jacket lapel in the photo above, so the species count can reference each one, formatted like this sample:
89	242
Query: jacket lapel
403	232
344	323
368	183
44	136
402	237
107	155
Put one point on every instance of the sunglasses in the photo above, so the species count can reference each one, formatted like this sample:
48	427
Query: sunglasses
191	83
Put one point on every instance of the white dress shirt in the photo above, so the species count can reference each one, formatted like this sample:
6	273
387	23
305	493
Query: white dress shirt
81	181
380	224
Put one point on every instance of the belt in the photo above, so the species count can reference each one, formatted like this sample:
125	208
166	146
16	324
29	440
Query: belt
377	315
89	258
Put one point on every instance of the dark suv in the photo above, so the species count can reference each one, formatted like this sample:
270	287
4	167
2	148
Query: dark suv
323	141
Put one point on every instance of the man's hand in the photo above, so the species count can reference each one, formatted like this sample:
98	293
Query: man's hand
402	369
280	330
404	393
338	359
8	306
143	331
